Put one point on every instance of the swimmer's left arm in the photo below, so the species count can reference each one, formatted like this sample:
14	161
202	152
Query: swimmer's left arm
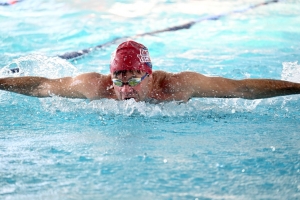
199	85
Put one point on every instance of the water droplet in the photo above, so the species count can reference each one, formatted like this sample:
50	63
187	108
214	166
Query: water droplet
273	148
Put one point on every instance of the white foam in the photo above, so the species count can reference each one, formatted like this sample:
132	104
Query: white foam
39	65
130	107
291	71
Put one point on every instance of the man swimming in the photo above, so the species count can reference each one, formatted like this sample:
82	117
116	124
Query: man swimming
132	77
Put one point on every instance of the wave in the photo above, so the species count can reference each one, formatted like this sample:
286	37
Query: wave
287	107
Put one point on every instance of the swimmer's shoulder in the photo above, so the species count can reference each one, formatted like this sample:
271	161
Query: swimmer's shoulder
95	80
165	77
161	75
161	80
96	85
94	76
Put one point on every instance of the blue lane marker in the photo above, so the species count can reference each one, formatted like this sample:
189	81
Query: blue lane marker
78	54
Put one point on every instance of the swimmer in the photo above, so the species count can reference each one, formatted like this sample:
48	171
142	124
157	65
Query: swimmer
131	77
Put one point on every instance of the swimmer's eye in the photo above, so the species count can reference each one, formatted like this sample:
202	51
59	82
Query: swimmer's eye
134	81
117	82
131	82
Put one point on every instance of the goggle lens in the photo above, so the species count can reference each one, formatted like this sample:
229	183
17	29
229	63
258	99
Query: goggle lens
131	82
117	82
134	82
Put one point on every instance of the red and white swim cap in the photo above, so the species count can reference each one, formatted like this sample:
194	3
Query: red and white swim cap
131	55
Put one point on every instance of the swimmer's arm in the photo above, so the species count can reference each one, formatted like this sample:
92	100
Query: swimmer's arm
252	88
38	86
203	86
23	85
82	86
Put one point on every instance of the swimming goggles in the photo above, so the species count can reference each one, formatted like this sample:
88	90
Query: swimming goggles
131	82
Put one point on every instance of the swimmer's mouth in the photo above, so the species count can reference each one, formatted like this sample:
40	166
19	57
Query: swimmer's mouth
128	98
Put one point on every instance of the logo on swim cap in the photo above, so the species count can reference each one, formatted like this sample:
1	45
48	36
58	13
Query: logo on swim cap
144	56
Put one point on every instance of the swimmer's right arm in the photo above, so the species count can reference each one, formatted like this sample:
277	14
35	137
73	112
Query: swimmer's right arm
38	86
82	86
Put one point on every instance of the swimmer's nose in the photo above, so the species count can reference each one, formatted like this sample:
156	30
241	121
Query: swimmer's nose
126	89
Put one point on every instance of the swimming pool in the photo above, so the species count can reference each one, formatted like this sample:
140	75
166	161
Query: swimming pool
57	148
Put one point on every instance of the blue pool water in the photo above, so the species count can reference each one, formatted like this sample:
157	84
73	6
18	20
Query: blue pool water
57	148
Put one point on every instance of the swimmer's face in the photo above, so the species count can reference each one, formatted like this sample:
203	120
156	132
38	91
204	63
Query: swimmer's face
138	92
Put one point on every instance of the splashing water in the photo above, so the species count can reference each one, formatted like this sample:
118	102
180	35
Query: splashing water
59	148
291	72
39	65
54	67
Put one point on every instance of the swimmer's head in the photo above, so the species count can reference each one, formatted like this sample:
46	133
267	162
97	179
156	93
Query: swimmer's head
131	55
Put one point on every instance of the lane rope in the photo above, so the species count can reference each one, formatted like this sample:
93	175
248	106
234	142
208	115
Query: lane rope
78	54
